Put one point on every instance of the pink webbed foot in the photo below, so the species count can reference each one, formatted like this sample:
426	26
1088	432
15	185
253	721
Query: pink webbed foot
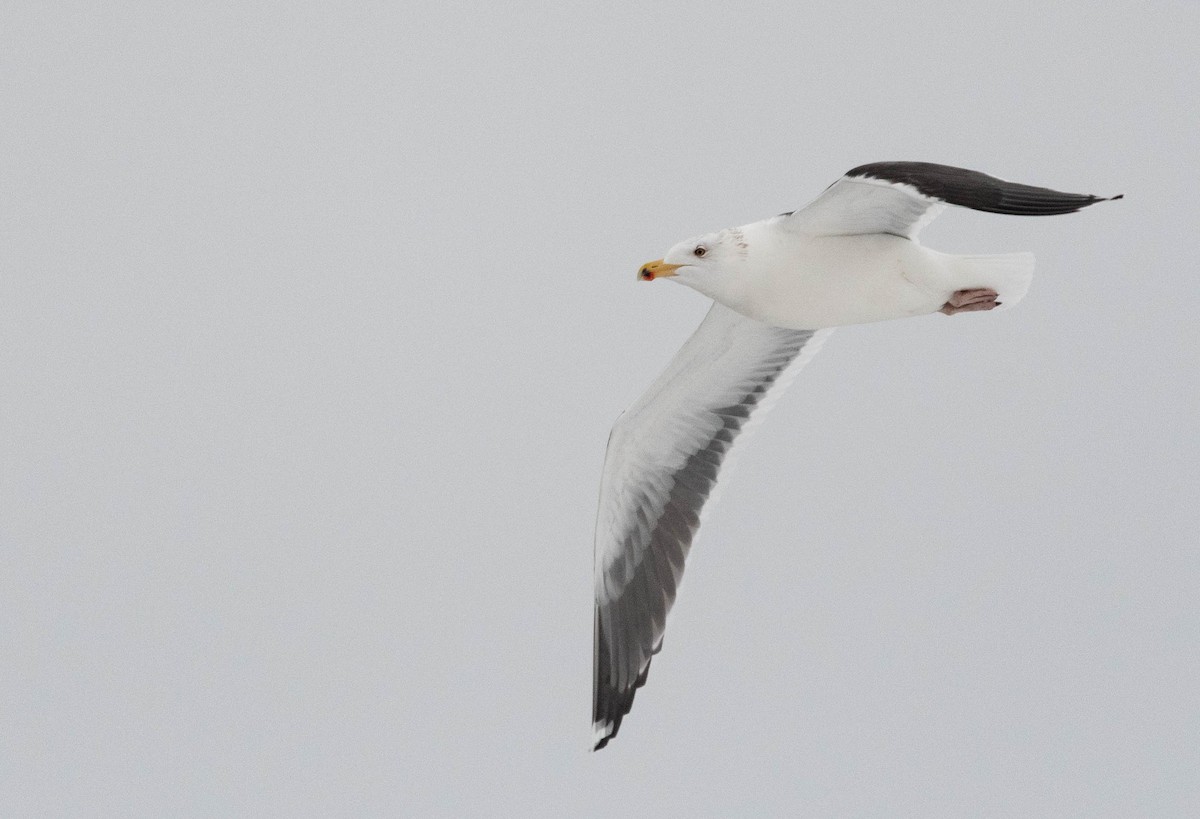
970	301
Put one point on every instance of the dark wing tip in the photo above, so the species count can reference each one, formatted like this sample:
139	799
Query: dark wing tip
978	191
610	704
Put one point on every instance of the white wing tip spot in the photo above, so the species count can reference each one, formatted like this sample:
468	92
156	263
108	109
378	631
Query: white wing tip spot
600	730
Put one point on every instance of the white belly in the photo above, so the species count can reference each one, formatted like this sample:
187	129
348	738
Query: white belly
811	282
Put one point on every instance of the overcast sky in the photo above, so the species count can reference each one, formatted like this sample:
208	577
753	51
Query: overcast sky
313	324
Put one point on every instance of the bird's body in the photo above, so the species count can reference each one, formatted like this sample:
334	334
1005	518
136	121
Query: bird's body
808	282
779	285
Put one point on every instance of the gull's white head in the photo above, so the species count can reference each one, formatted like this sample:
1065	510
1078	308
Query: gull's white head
711	264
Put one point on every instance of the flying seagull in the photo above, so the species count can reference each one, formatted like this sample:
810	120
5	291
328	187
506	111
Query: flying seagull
779	286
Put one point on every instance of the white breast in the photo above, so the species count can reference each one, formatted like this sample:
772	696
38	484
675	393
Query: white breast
806	283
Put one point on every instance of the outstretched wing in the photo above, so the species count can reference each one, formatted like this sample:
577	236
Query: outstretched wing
900	198
663	458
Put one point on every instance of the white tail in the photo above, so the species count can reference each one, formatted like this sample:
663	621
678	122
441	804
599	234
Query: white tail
1009	274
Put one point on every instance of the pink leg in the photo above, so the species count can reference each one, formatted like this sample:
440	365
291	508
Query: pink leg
970	301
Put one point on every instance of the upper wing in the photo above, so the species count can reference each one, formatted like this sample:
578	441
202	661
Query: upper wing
902	197
663	457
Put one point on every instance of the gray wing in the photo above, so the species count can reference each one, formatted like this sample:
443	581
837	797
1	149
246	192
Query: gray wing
664	456
900	198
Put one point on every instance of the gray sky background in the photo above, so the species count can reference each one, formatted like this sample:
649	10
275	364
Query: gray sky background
313	323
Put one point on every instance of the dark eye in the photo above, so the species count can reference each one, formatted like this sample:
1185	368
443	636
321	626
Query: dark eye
700	250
